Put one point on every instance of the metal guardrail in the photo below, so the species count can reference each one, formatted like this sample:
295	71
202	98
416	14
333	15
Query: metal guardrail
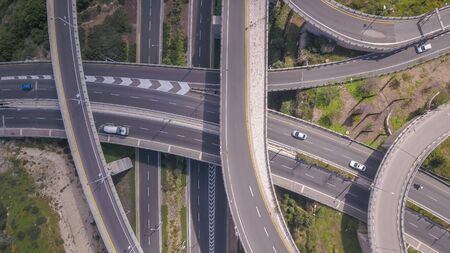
387	18
410	176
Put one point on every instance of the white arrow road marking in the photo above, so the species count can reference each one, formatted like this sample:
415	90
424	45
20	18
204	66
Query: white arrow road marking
90	79
126	81
165	86
184	88
7	78
108	79
144	83
22	77
47	77
34	77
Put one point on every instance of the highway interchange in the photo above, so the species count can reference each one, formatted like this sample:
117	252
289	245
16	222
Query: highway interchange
205	108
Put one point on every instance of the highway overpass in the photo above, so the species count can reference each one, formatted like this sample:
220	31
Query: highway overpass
367	32
316	183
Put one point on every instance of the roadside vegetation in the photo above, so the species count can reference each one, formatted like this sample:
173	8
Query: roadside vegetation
438	162
331	168
125	181
290	45
395	8
105	30
361	108
174	33
427	214
27	222
23	30
318	228
413	250
173	209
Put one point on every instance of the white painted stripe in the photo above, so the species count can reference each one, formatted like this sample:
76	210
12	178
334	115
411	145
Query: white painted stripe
47	77
90	79
8	78
144	83
184	88
165	86
108	79
126	81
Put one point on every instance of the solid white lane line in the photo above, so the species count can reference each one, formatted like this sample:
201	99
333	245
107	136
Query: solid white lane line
287	167
435	200
414	225
265	230
308	175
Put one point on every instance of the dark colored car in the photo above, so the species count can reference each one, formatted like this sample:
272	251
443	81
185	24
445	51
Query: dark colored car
26	86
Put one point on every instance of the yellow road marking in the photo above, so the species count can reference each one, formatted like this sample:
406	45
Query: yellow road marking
258	180
53	27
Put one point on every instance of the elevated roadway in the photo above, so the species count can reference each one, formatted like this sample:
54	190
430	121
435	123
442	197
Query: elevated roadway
395	176
317	184
88	157
283	79
321	144
369	33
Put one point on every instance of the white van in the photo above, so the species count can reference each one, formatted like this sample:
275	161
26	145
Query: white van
119	130
423	48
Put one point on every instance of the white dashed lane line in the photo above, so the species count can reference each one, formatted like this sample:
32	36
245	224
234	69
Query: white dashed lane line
251	191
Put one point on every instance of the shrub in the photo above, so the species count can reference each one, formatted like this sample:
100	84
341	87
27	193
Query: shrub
34	232
325	121
406	77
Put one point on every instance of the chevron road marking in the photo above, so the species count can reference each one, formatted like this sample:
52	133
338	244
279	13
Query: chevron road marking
165	86
184	88
211	206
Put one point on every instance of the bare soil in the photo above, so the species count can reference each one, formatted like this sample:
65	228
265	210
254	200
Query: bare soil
56	179
417	86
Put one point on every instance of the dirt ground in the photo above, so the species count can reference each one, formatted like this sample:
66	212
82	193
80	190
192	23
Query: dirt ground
56	179
365	119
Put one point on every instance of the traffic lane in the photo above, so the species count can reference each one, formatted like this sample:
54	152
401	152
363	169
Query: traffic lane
324	145
356	27
221	215
209	76
201	27
149	201
434	194
197	106
291	163
429	233
26	68
89	155
376	63
199	207
164	132
248	207
150	31
314	177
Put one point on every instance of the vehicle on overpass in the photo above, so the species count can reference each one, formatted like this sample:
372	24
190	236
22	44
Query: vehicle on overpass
299	135
26	86
357	165
422	48
118	130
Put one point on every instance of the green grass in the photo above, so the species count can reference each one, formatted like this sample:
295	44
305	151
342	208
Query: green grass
326	166
183	218
438	161
31	223
317	228
124	182
413	250
427	214
399	8
115	152
397	122
164	228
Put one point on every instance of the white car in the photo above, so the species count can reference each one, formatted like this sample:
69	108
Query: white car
357	165
119	130
423	48
299	135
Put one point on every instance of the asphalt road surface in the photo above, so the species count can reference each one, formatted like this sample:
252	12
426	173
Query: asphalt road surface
321	182
148	171
116	230
152	17
201	33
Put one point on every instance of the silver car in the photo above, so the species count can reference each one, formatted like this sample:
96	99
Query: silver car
299	135
357	165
